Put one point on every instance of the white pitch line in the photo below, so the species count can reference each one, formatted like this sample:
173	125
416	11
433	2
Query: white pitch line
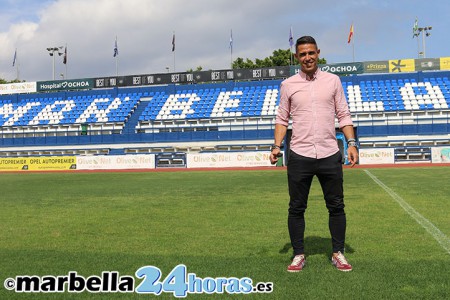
438	235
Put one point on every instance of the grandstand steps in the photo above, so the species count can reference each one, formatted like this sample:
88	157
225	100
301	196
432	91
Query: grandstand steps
130	126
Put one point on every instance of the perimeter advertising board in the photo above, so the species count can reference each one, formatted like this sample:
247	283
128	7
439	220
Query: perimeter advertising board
228	159
63	85
380	66
444	63
440	154
402	65
18	88
338	69
343	68
376	156
427	64
193	77
41	163
116	162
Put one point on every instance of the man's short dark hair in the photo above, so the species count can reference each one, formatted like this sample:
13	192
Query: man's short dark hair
305	40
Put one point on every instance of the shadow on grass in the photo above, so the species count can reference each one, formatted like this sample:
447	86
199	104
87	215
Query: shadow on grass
316	245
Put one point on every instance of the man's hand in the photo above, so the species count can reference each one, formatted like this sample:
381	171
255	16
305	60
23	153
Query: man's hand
274	155
352	153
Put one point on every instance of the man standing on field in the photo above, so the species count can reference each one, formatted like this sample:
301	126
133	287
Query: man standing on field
313	99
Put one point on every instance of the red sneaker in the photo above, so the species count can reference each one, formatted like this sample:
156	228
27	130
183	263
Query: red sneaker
297	263
341	263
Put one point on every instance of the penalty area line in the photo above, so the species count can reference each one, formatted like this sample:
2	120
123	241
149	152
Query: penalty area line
438	235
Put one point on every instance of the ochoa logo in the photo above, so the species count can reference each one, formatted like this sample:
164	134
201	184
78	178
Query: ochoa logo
339	69
75	84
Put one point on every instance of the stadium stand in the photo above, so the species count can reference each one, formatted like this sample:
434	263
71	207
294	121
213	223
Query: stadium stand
407	111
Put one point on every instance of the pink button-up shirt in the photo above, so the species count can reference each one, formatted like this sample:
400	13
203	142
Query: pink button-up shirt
313	106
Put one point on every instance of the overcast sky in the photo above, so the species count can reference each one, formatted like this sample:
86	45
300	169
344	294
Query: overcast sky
144	29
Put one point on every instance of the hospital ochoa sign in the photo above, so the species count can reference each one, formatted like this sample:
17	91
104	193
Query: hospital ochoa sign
338	69
59	85
345	68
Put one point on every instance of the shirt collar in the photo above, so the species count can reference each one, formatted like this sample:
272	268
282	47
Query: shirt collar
306	77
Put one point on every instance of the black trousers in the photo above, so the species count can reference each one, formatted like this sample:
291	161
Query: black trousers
301	171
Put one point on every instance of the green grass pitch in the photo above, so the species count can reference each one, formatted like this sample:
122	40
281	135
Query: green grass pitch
226	224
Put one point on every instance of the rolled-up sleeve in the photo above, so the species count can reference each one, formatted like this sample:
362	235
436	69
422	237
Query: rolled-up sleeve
283	111
343	114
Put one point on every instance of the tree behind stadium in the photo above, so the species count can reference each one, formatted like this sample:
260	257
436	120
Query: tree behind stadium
279	57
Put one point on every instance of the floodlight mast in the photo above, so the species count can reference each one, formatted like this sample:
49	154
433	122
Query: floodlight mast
425	31
52	51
